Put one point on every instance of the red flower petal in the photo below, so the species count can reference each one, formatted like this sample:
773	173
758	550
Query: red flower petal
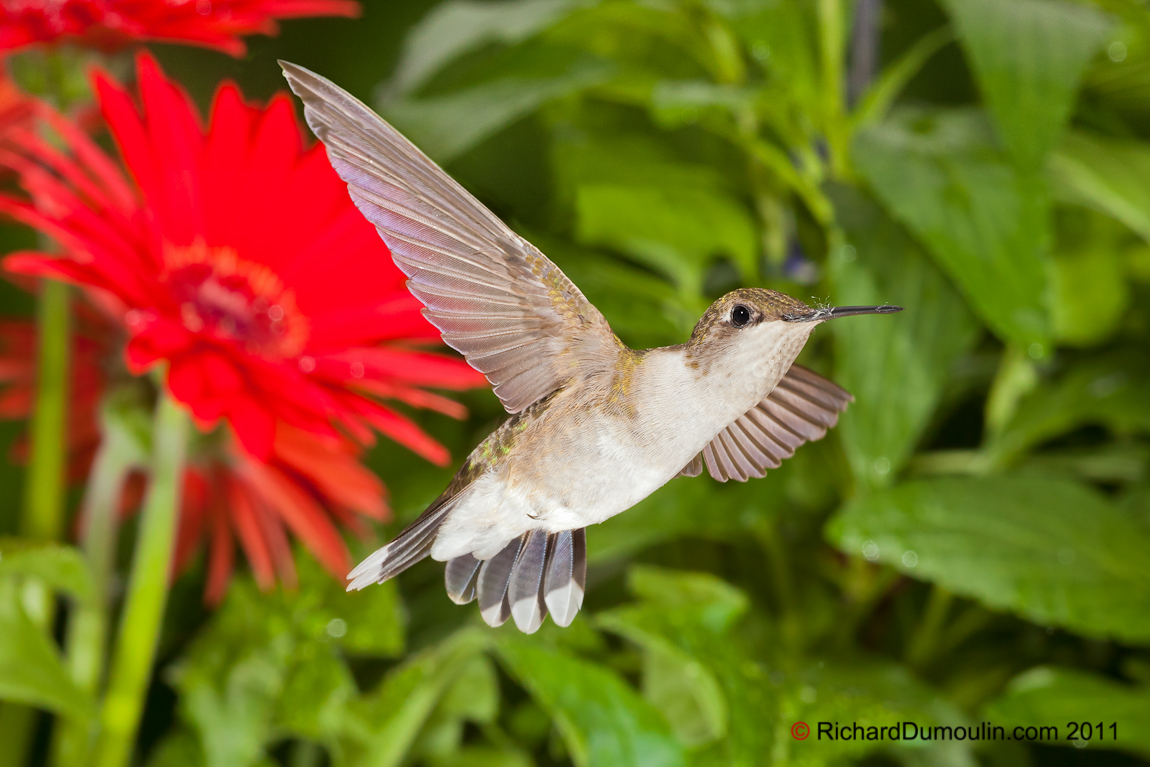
112	24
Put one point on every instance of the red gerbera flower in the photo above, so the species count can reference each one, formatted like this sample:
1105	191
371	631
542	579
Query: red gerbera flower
307	482
111	24
15	107
18	389
238	259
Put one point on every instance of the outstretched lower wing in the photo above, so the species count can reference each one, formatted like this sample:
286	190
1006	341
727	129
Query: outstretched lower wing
494	297
800	409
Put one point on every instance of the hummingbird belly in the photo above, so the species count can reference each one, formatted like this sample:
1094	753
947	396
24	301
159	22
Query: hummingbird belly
577	462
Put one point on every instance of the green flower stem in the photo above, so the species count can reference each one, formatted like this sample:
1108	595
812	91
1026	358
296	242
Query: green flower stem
88	627
43	517
147	593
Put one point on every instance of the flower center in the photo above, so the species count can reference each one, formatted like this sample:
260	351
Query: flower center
220	293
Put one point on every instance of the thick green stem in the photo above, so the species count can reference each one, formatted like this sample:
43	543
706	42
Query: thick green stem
147	593
44	499
43	518
88	627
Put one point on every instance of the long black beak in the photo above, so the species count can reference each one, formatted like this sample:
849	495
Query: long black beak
834	312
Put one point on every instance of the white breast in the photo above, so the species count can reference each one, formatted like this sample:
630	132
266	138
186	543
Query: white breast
610	462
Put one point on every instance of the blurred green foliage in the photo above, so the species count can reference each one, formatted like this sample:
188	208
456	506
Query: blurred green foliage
970	544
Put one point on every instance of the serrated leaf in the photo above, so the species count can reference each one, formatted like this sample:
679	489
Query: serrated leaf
455	28
1108	175
31	669
1053	551
1045	696
895	367
602	719
1029	57
939	173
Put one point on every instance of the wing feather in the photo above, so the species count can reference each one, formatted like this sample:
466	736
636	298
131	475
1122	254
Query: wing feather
800	409
494	297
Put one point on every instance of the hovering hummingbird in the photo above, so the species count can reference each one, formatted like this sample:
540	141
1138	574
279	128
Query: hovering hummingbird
595	426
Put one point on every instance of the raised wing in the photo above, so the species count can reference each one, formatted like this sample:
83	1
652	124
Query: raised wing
800	409
494	297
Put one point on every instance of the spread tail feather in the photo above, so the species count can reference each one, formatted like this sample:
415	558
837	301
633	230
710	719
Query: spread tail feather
533	575
410	546
566	576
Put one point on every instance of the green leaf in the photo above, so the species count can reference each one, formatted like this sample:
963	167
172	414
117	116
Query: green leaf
269	663
1089	293
677	681
1112	390
719	603
483	757
1053	551
1046	696
455	28
938	172
474	693
783	36
60	567
1108	175
881	95
180	748
896	367
1029	57
673	230
675	103
233	676
446	126
602	720
31	669
870	694
624	158
388	721
700	676
316	693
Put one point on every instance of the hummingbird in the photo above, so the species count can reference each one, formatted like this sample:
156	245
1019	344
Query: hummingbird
595	426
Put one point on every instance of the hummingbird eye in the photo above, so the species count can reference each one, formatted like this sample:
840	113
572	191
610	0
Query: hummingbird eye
740	316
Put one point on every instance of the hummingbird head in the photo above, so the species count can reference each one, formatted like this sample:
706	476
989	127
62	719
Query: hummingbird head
761	313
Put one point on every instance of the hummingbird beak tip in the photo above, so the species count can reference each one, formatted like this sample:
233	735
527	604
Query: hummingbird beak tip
834	312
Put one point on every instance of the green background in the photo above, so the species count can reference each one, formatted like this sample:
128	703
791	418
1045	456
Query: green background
969	544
